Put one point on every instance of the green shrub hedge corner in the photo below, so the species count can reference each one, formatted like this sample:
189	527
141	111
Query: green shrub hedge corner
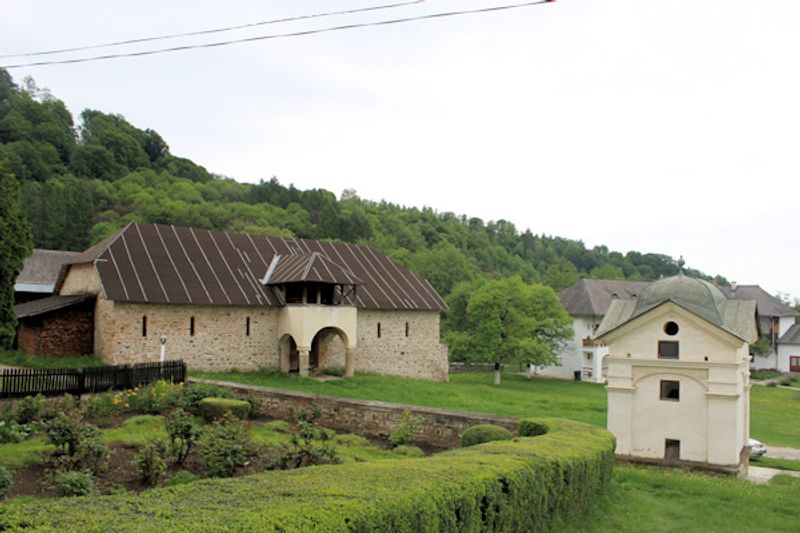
481	433
213	408
531	427
525	484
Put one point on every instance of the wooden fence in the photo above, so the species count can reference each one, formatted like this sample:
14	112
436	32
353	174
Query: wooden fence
19	382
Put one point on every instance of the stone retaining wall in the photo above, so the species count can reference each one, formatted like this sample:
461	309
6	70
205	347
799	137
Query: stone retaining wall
440	427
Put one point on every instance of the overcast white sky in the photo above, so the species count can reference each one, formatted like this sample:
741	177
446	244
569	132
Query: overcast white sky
669	127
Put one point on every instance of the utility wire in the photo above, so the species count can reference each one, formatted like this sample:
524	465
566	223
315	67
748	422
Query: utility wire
282	35
215	30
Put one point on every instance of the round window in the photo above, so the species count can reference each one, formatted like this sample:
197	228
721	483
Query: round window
670	328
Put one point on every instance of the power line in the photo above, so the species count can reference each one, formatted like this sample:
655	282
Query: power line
282	35
215	30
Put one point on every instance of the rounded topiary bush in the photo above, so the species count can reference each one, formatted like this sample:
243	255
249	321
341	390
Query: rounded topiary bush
531	428
214	408
484	433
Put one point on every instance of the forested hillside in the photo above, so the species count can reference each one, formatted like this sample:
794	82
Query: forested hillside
83	179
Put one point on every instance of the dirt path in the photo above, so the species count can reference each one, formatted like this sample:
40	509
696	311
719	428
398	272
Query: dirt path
761	475
783	453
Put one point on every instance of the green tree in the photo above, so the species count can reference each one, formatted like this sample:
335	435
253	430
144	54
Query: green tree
15	246
607	271
561	274
444	266
509	321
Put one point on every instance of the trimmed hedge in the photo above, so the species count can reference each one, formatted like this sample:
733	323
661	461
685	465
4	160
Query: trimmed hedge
481	433
525	484
214	408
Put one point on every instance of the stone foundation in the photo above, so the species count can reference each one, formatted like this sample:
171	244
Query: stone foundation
440	428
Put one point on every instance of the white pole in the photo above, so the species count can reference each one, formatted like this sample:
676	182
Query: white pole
163	347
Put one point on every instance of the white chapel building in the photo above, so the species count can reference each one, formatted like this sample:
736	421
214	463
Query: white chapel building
678	377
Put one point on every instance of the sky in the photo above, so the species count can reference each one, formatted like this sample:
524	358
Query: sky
668	127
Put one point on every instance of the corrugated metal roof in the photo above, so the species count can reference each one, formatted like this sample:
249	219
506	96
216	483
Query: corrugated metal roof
40	270
154	263
313	267
49	304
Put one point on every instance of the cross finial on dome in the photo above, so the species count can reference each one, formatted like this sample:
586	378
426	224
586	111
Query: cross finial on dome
680	263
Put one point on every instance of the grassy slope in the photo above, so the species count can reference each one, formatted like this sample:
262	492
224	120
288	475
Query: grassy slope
12	358
775	413
516	396
646	499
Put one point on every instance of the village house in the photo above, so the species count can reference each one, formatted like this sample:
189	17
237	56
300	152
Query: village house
678	377
221	300
39	273
588	301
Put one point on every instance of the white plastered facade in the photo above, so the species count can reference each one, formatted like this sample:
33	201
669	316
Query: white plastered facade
711	418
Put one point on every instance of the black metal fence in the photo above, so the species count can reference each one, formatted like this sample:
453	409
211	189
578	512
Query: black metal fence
19	382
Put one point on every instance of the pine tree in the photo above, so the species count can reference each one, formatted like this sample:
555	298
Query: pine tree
15	246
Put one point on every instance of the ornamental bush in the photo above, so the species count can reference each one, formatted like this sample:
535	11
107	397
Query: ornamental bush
224	445
182	434
78	444
214	408
5	482
74	483
481	433
194	392
532	428
405	429
150	463
525	484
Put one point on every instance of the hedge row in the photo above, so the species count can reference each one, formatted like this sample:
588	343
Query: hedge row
525	484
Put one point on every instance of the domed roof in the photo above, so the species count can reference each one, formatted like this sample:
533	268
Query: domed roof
695	294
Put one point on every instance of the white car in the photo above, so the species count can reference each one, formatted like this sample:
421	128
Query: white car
756	448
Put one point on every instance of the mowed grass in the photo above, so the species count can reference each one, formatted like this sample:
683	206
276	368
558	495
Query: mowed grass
649	499
21	359
774	412
474	392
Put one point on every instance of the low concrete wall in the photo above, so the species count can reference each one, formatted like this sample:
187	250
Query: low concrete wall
440	427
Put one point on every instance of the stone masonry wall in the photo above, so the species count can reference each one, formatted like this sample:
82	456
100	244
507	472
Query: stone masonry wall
220	340
440	427
61	333
418	355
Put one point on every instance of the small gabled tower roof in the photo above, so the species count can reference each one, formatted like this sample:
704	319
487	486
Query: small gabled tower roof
310	267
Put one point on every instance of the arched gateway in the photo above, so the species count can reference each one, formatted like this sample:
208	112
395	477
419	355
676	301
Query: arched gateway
316	321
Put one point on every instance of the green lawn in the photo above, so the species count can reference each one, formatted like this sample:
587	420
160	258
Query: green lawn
775	412
773	462
645	499
12	358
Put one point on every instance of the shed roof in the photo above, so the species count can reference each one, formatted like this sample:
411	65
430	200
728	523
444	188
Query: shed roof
49	304
40	271
155	263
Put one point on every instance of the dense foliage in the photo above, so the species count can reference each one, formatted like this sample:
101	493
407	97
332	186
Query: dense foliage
527	484
81	183
480	433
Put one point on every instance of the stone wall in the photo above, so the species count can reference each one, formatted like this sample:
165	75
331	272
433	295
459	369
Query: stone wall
408	344
61	333
440	427
220	340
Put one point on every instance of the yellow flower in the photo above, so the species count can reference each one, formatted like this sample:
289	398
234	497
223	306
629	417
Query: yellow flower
127	405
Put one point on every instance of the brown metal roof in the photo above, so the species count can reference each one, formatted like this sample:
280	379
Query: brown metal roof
154	263
313	267
49	304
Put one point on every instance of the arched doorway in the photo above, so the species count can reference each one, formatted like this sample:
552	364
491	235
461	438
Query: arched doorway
328	350
290	356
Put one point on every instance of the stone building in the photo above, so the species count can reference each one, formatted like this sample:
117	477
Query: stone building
221	300
678	377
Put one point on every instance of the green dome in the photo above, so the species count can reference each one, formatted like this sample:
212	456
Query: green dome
697	295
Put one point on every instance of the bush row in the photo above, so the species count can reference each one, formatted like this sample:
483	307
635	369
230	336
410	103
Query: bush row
524	484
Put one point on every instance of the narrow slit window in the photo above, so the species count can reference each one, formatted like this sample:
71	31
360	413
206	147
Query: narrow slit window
379	330
144	326
247	327
406	329
191	326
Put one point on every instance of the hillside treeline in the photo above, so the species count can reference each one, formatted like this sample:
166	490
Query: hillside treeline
83	179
